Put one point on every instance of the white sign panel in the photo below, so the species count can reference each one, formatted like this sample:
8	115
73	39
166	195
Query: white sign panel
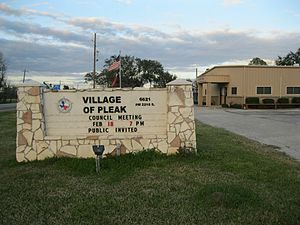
129	113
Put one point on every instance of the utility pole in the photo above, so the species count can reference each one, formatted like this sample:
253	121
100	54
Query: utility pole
196	85
94	70
24	75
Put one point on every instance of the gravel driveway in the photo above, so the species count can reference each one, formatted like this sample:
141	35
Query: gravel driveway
272	127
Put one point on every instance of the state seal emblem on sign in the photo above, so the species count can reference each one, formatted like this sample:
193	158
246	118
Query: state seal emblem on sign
64	105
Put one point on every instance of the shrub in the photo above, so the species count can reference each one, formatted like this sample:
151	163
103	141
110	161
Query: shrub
268	101
186	151
236	106
8	94
225	105
252	100
296	100
283	101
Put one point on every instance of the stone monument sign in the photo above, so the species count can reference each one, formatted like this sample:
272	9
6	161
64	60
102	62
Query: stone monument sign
69	122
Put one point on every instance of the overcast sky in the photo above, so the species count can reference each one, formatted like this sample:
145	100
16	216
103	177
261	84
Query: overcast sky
53	39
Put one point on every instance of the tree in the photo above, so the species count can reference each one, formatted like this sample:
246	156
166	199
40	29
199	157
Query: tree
8	93
135	72
129	72
100	80
257	61
2	71
149	70
129	75
290	59
162	80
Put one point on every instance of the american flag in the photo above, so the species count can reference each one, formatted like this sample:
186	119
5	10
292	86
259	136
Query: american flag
115	65
114	81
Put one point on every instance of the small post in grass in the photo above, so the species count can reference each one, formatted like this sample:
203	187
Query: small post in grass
98	150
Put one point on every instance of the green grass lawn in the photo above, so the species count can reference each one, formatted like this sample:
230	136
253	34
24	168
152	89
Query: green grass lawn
231	180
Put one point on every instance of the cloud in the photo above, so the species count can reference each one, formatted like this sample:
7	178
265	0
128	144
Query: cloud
91	24
9	11
293	13
39	4
231	2
44	58
37	32
107	28
5	9
127	2
60	50
177	52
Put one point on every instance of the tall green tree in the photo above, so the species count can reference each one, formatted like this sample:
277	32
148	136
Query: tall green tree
135	73
2	71
100	80
162	80
289	60
149	70
129	72
257	61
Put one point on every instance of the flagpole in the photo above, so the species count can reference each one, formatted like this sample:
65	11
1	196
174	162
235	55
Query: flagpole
120	70
94	68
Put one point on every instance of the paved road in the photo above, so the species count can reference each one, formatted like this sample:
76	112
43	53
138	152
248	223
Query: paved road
272	127
7	107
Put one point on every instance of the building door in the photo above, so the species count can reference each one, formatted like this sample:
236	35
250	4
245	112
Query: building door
223	95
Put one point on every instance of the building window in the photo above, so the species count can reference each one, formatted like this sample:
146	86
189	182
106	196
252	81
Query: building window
263	90
293	90
234	91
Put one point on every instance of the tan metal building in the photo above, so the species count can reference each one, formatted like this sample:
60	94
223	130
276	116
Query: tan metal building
233	84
